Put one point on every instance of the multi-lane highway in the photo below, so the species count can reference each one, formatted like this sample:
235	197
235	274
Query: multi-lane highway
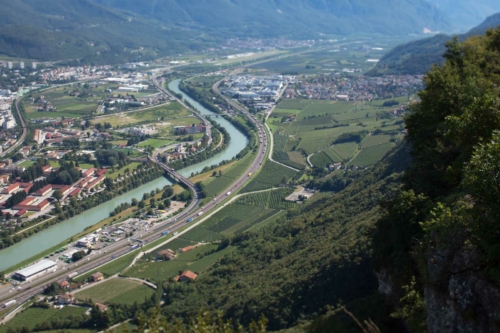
120	248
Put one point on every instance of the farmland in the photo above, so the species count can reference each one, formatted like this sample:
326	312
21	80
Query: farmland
164	112
370	156
318	123
271	175
31	317
155	143
118	291
270	199
65	105
202	256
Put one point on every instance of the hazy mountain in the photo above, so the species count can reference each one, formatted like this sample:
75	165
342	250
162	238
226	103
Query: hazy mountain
68	29
275	18
465	14
418	56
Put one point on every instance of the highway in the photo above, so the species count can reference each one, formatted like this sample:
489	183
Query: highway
23	136
30	289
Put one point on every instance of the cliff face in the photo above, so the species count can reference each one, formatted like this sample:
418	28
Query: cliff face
458	297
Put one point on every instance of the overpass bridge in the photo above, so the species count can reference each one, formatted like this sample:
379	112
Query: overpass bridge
176	176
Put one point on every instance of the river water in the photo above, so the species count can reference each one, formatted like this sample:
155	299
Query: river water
67	229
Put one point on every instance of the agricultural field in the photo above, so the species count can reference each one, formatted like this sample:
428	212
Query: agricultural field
90	97
320	122
373	140
270	199
281	149
118	291
162	271
345	150
164	112
271	175
155	143
31	317
370	156
334	59
321	160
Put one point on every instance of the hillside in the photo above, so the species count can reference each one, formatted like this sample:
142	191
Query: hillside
465	14
436	246
418	56
69	29
264	18
296	269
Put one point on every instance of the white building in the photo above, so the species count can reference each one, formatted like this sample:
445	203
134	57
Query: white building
32	272
9	64
33	65
9	123
21	64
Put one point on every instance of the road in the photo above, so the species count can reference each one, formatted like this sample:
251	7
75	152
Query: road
30	289
23	136
159	86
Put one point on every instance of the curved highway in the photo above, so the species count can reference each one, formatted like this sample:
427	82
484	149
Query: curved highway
30	289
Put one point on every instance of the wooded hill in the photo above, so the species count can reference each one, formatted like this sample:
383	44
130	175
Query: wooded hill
417	57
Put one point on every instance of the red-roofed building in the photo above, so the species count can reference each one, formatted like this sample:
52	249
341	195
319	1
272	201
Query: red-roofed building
101	172
65	189
47	169
43	191
4	179
11	189
21	213
89	172
29	205
186	276
94	183
74	192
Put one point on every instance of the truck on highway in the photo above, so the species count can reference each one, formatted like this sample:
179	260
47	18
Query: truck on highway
228	193
133	247
249	174
9	303
189	219
200	213
164	233
72	275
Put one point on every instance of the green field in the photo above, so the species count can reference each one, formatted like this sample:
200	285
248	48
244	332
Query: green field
31	317
320	122
155	143
113	175
118	291
321	160
373	140
271	199
164	112
271	175
66	105
164	270
370	156
345	150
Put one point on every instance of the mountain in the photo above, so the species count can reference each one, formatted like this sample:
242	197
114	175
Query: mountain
275	18
418	56
68	29
465	14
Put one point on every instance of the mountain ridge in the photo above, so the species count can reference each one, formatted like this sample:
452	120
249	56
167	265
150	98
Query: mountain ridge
418	56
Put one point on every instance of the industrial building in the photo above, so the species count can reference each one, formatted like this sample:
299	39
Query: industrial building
32	272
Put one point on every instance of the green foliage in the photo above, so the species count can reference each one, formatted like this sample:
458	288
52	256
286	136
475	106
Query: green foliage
448	209
270	176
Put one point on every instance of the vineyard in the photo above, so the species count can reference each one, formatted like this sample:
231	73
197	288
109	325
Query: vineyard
321	160
280	154
345	150
271	199
372	155
271	175
31	317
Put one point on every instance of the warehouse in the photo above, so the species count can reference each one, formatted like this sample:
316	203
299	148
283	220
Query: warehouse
31	272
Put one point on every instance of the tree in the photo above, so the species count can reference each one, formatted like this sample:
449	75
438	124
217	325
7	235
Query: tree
78	255
141	204
58	195
134	202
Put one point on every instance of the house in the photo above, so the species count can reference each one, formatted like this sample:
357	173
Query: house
64	285
101	307
11	189
88	172
167	254
4	179
43	191
97	277
65	299
187	248
186	276
47	169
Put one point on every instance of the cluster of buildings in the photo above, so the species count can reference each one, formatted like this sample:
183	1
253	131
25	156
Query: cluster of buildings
255	88
265	44
73	73
51	135
193	129
181	152
355	88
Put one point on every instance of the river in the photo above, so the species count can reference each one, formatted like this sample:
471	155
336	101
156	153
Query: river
58	233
